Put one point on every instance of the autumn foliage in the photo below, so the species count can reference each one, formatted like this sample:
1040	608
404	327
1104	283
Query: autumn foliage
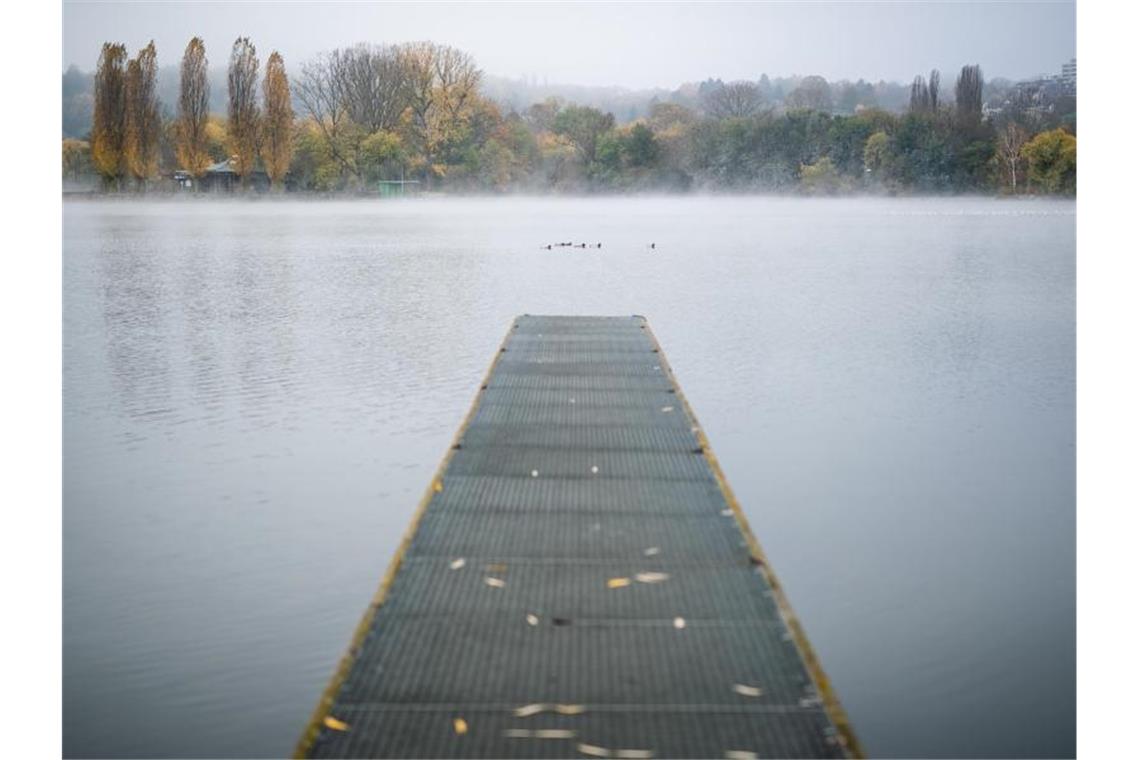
142	125
244	112
277	126
191	134
108	126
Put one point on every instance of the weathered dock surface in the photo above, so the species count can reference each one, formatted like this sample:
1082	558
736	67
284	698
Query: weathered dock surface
579	581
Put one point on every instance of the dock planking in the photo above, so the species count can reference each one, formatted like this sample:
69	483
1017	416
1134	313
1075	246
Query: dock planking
579	581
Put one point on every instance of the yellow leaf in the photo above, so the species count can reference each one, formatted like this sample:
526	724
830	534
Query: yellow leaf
617	582
460	726
334	724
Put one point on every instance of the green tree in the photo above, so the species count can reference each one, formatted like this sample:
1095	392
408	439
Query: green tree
821	178
877	155
1052	160
381	156
583	127
641	148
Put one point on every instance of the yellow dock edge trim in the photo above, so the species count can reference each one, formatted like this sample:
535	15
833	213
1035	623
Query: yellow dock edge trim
831	703
328	696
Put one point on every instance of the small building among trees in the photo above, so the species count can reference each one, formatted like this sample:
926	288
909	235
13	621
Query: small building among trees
222	177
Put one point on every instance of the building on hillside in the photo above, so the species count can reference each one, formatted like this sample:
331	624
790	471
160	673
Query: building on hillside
1069	75
1040	96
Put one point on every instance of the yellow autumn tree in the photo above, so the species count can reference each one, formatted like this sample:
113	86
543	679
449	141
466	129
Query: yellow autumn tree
440	85
244	114
191	144
141	122
108	117
277	122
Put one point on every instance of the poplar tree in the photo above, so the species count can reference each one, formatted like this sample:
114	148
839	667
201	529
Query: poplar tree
968	94
243	109
108	122
935	86
919	95
193	110
277	128
141	122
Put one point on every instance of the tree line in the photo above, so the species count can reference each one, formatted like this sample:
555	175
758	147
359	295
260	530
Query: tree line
362	114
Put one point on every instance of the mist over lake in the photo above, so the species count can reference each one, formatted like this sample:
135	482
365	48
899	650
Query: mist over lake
257	392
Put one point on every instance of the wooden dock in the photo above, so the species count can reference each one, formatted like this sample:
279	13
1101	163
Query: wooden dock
579	581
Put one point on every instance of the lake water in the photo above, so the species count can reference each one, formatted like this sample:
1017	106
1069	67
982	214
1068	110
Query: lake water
256	394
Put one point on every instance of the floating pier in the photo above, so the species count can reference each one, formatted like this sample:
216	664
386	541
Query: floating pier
579	581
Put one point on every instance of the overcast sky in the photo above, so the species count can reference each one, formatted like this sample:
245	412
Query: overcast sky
605	43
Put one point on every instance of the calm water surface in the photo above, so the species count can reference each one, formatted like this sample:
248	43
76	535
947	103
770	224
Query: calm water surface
256	394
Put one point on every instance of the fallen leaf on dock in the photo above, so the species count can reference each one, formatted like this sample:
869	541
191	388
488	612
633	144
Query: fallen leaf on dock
334	724
726	512
617	582
592	751
540	733
666	409
651	577
569	709
528	710
455	564
634	754
495	582
678	623
437	486
534	473
460	726
747	691
531	618
740	754
652	551
594	469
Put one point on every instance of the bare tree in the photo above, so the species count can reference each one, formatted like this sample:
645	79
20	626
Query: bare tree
919	96
108	123
193	109
935	86
319	92
968	94
733	100
277	132
370	81
142	123
814	92
243	110
1010	141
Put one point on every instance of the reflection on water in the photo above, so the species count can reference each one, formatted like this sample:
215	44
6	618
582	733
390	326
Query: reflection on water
255	394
